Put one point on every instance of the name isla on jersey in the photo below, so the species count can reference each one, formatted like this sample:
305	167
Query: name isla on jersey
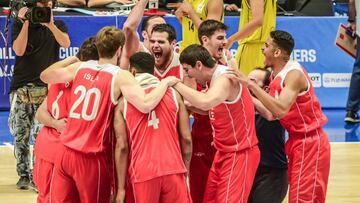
91	78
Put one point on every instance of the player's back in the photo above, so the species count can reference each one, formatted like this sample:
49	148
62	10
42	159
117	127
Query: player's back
153	139
57	102
92	106
233	121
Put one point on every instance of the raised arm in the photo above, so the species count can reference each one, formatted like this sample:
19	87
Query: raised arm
20	43
212	7
205	101
121	151
61	37
132	40
44	117
257	10
132	91
61	71
184	131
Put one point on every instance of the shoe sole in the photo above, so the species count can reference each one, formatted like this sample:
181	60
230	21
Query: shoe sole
23	187
34	189
350	120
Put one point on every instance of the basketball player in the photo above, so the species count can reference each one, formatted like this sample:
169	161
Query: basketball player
87	137
292	100
156	170
162	44
53	113
231	113
213	37
191	13
132	43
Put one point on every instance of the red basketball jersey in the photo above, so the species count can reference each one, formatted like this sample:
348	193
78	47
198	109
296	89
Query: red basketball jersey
57	102
91	111
305	114
174	69
153	140
202	127
233	122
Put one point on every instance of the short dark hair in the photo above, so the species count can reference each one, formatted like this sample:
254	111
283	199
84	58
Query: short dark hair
283	40
193	53
145	22
209	27
143	62
88	50
267	75
166	28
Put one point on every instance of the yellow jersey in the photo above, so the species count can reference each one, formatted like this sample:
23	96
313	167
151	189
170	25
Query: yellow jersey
189	30
249	53
262	33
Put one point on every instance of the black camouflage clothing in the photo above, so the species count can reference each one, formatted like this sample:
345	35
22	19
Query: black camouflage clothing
23	125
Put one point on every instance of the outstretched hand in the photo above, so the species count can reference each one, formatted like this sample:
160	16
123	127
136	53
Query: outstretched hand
236	76
170	80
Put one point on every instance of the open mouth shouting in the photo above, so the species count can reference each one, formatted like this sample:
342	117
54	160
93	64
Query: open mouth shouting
157	54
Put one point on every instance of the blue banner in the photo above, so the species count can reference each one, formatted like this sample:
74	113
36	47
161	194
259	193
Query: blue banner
329	67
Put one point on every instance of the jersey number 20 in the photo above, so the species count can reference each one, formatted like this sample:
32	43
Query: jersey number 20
84	98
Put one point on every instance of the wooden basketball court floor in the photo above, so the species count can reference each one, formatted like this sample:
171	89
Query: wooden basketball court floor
344	182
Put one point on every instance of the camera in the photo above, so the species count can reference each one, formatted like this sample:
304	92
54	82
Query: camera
34	14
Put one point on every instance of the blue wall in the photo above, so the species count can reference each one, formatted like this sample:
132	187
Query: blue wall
315	48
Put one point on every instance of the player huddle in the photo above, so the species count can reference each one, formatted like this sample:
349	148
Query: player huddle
117	123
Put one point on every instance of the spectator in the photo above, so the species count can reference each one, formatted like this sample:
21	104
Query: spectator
101	3
232	5
36	46
74	3
353	101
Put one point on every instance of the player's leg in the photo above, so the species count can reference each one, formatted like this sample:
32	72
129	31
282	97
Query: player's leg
148	191
201	161
92	177
63	188
309	164
174	189
213	180
42	174
237	174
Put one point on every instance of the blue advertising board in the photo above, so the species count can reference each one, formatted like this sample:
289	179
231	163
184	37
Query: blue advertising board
329	67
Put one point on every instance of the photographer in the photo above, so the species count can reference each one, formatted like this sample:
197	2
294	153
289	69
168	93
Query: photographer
36	46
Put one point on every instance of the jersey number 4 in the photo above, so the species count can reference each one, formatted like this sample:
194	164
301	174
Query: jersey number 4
153	120
85	96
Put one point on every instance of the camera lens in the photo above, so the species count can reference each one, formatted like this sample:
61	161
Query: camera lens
39	14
